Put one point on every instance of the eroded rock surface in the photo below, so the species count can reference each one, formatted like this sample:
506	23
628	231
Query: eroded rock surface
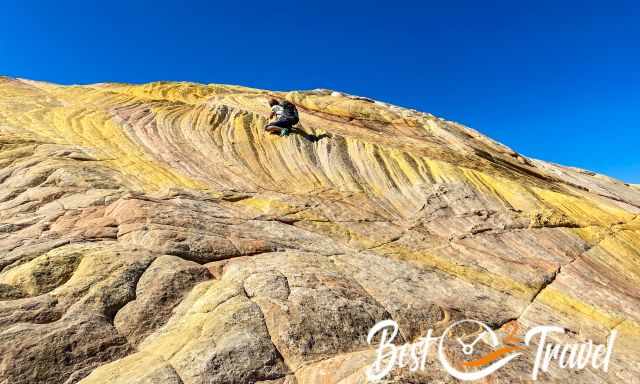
155	234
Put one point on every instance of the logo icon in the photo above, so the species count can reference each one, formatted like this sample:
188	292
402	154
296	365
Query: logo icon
491	361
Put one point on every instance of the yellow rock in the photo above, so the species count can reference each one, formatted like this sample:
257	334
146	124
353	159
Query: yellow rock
367	206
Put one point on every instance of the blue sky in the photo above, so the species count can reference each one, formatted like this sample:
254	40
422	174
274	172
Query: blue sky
556	80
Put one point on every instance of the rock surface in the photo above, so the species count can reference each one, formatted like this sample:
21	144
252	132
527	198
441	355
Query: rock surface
155	234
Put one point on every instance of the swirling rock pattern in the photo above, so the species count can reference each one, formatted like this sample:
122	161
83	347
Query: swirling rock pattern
155	234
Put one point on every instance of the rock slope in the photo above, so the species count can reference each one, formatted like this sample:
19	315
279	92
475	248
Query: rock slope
154	234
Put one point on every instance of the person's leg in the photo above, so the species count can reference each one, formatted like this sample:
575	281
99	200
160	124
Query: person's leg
280	123
284	123
274	126
288	123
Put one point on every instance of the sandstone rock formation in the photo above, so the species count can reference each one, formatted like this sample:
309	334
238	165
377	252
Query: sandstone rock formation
154	234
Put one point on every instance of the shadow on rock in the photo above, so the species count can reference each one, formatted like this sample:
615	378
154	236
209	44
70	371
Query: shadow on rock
308	136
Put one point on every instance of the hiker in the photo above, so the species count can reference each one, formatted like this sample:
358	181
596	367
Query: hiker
286	116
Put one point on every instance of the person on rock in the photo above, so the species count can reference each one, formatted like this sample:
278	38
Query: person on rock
286	116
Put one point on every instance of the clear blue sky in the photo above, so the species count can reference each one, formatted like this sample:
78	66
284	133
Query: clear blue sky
557	80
